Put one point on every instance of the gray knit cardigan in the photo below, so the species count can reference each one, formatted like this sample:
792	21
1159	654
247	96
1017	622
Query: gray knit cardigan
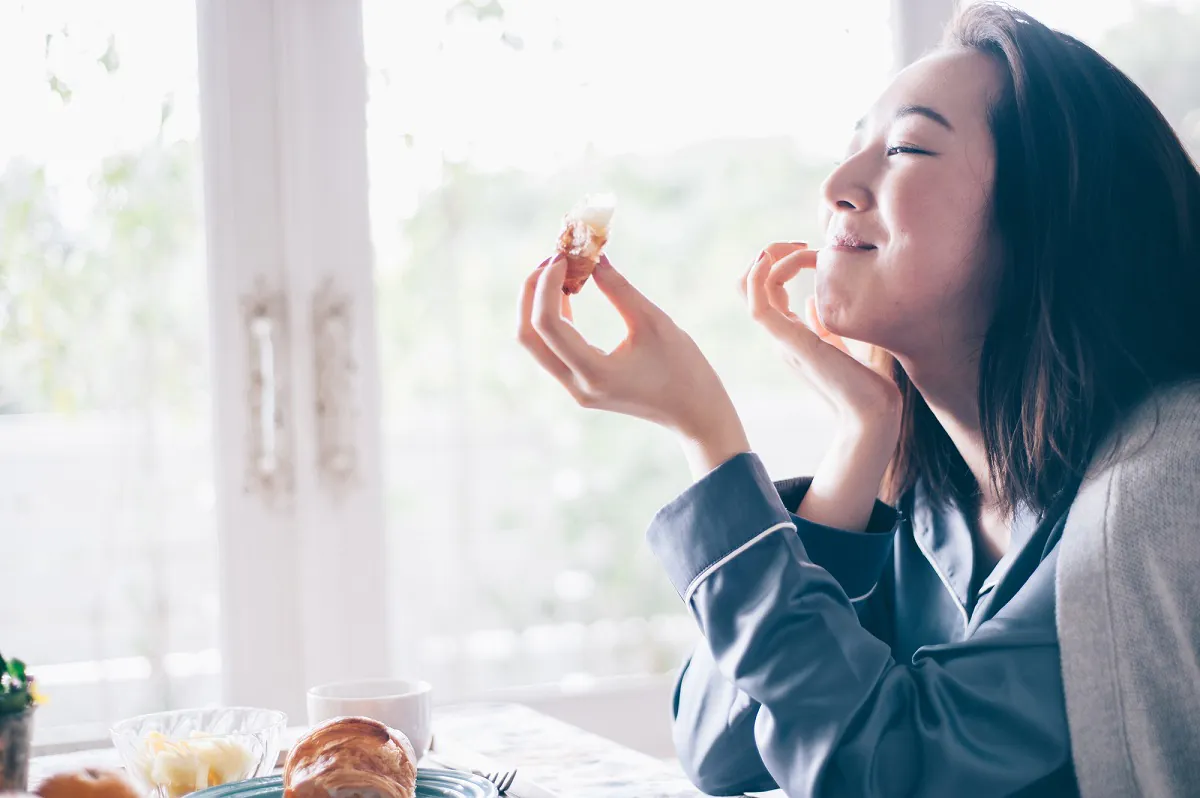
1129	607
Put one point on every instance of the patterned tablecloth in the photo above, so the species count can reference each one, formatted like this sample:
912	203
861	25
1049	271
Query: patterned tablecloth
562	758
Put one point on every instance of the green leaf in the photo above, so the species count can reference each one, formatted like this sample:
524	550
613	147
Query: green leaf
13	702
60	88
111	61
166	111
16	669
480	10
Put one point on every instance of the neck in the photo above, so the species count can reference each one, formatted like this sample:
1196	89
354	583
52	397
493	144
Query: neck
951	392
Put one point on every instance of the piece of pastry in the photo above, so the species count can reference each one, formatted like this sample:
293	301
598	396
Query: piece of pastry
583	236
351	758
90	783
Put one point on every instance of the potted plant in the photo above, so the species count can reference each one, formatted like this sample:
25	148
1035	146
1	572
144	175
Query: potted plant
18	699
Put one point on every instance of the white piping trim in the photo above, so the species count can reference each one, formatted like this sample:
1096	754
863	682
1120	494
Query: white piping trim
700	577
945	582
866	595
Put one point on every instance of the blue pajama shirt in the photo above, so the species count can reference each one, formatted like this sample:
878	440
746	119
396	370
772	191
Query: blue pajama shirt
839	663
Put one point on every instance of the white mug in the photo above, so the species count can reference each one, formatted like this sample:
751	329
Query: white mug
403	704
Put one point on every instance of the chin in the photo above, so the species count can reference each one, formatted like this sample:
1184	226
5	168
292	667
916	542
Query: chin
835	305
847	320
842	324
848	305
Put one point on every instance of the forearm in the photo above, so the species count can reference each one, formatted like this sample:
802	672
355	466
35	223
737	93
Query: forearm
707	448
846	483
713	730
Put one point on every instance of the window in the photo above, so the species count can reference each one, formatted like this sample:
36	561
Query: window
106	491
515	519
190	444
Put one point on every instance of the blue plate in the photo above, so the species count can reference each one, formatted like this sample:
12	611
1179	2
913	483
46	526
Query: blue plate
431	783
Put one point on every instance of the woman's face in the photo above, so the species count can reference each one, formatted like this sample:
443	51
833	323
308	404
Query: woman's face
906	263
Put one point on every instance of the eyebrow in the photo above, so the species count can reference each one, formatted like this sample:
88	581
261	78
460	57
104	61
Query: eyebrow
913	110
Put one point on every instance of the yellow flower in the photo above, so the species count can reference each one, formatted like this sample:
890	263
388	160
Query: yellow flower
35	694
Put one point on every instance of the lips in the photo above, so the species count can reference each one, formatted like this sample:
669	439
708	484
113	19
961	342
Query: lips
850	241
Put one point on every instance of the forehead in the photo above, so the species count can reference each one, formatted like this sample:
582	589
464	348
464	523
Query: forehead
960	84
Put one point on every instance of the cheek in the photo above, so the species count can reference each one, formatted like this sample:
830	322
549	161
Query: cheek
936	253
923	220
926	281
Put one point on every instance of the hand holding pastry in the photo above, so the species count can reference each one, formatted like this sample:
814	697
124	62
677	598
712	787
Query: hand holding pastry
657	373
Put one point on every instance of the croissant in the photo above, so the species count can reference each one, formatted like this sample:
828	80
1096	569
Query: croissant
351	758
582	239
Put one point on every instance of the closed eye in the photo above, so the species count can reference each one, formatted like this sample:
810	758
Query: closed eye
900	148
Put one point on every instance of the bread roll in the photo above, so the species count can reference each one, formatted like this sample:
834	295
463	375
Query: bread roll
90	783
351	758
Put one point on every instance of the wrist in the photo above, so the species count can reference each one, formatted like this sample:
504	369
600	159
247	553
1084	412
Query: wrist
879	422
864	448
848	480
709	448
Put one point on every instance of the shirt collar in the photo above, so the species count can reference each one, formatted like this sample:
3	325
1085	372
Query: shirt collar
944	537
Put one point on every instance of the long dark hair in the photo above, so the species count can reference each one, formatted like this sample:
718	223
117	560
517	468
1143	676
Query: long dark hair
1096	206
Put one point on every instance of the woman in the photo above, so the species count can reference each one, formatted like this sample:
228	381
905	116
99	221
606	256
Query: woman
1017	229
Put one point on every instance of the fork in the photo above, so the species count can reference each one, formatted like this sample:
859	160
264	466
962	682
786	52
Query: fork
507	783
503	779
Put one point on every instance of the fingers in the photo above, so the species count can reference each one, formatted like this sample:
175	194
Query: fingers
529	338
772	253
782	272
810	315
631	303
758	300
781	249
814	323
558	334
565	308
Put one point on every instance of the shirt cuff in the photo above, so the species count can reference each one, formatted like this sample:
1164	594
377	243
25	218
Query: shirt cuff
854	559
736	504
725	509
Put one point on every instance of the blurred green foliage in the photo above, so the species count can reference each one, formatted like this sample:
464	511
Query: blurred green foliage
104	313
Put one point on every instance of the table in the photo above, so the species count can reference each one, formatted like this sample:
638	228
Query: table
562	758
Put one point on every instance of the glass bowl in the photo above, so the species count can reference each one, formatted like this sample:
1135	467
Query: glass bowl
171	754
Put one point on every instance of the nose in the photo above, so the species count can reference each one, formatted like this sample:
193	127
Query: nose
847	189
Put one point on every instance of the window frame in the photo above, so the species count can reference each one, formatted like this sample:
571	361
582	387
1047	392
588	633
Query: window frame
302	544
